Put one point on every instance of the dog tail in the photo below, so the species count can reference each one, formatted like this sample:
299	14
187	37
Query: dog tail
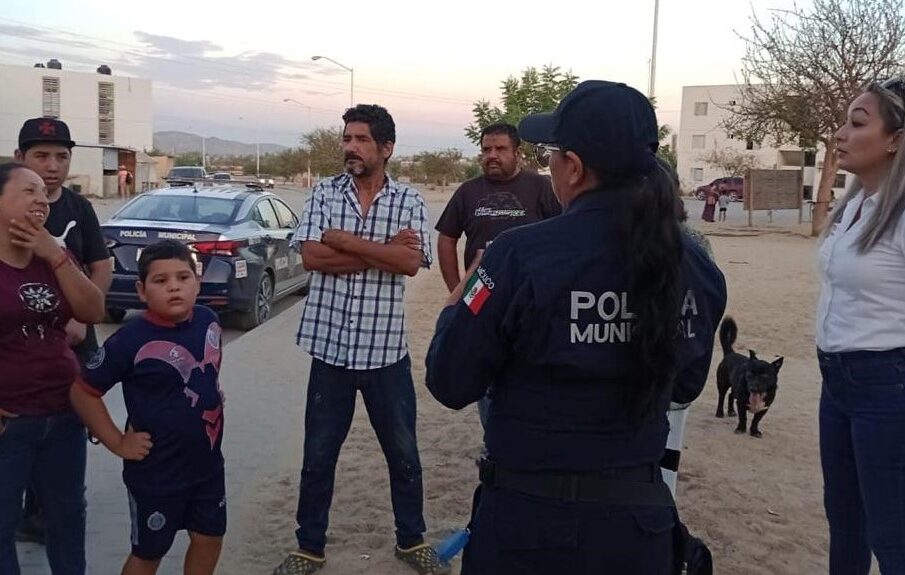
728	333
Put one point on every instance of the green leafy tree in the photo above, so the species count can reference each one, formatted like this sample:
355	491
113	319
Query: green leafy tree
535	91
324	145
188	159
441	167
472	169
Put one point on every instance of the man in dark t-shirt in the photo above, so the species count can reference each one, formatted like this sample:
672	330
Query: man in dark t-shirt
502	198
45	146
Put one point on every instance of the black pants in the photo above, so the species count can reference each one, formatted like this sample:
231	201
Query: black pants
520	534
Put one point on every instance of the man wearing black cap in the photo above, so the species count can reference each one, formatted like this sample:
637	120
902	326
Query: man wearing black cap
45	146
585	326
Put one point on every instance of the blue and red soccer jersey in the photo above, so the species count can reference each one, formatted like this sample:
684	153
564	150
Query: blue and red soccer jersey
170	377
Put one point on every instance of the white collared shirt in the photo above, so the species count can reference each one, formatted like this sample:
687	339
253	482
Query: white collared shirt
862	296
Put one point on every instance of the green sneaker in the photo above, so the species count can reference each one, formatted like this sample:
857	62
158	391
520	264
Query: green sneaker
423	559
300	563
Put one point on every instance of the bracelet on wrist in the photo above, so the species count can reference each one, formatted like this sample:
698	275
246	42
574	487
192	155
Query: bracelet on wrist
60	262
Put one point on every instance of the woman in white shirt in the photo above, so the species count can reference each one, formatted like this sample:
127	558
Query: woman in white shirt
861	340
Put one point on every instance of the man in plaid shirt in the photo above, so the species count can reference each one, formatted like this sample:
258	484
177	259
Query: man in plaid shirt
360	235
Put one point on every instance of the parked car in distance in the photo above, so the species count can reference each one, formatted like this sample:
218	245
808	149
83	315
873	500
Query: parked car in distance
187	174
222	177
734	186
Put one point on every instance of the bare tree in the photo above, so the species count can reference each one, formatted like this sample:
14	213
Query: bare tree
804	66
731	162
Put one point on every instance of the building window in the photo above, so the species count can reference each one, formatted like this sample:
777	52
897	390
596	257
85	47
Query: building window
105	113
749	144
700	108
698	142
810	158
51	98
839	182
697	174
731	102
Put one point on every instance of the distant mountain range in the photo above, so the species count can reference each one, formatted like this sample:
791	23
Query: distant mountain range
182	142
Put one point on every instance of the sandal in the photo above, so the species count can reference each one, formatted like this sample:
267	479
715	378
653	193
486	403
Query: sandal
300	563
423	559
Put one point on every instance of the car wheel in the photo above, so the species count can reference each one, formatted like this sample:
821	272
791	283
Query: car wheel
115	315
262	306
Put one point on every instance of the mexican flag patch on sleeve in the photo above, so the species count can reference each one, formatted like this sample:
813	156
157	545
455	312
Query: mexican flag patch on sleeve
476	292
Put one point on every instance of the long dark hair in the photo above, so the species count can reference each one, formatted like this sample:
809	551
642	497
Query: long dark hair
6	172
653	257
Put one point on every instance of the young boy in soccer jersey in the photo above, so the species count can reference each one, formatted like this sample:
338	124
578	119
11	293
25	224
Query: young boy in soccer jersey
168	361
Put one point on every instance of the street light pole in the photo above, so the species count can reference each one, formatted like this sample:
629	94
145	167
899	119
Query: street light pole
351	77
653	53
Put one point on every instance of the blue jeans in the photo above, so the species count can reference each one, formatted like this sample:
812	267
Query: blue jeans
49	453
389	397
862	450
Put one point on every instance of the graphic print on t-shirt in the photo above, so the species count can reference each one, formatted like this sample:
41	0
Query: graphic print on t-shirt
500	205
182	360
61	239
41	299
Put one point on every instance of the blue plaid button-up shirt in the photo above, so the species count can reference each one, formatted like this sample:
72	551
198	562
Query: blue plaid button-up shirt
357	320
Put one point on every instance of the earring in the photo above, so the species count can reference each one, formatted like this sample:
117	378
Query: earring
892	150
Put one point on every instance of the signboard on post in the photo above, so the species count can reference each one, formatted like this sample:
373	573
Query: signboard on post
773	190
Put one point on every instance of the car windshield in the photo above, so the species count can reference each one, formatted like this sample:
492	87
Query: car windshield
186	173
192	209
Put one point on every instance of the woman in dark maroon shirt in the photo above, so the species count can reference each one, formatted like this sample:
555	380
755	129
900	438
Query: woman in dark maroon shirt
41	289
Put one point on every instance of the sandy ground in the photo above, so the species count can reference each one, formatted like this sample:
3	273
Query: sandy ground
756	502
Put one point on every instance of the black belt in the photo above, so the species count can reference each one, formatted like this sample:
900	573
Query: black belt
640	485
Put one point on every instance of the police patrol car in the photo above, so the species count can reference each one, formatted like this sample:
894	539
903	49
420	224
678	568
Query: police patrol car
239	236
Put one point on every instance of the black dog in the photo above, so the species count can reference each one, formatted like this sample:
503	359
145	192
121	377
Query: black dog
751	382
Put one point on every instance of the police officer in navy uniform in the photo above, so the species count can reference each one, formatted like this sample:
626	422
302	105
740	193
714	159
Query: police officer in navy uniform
582	328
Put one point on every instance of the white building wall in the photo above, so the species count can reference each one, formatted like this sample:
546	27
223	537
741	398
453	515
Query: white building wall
694	171
22	98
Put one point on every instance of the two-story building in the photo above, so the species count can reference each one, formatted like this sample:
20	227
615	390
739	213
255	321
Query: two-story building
110	118
704	110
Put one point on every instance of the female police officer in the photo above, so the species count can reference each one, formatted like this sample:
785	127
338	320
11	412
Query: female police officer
583	328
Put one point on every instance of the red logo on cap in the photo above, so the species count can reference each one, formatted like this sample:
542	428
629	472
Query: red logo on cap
48	128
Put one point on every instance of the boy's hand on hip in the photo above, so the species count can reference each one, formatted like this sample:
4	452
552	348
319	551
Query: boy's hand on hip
134	445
